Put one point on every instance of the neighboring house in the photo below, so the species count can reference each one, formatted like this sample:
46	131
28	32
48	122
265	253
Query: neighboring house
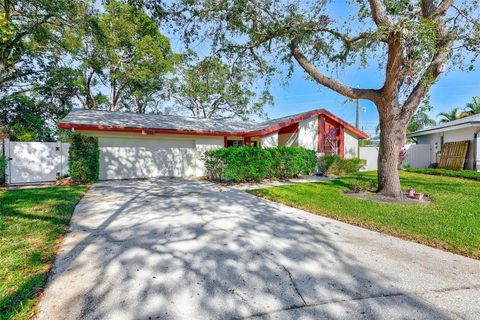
146	145
467	128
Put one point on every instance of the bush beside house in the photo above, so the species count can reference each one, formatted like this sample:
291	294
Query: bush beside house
83	159
333	165
255	164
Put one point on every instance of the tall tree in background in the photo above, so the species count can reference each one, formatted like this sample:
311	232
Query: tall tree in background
451	115
137	55
212	89
29	36
472	107
413	40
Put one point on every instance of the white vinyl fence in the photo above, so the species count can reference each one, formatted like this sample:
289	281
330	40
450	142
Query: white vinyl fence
35	162
418	156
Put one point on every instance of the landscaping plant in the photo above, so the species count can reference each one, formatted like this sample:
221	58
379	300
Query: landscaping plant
3	167
466	174
255	164
334	165
83	166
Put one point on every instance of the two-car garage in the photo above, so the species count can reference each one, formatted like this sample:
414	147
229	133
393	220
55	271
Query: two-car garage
133	158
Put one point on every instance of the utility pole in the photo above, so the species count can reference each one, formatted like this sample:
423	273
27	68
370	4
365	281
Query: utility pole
357	121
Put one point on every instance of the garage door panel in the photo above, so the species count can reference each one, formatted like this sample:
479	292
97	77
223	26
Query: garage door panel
138	158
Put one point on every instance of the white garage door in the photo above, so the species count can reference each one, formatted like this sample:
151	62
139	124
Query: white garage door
122	158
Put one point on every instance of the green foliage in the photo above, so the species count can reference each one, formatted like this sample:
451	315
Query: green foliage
135	54
333	165
466	174
83	165
451	115
28	119
359	185
212	89
255	164
3	167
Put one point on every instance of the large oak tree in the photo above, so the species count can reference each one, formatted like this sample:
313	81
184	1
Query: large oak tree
411	41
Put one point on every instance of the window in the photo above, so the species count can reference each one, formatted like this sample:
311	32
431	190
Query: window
234	143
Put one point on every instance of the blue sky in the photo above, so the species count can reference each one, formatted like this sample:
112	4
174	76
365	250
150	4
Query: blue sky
453	89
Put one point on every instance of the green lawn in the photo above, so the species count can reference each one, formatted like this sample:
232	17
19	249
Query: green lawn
451	221
32	222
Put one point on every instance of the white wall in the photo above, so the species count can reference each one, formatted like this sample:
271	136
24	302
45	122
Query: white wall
202	145
418	156
370	154
434	140
269	141
308	133
351	145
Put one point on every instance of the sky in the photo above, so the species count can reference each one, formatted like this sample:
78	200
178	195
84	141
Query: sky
453	89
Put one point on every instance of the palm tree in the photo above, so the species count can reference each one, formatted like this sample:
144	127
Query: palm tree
472	108
449	116
419	121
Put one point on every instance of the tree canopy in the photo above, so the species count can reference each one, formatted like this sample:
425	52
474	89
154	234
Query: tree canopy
210	88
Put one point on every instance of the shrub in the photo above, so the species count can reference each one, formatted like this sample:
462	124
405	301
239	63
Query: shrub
333	165
83	165
358	185
255	164
3	167
466	174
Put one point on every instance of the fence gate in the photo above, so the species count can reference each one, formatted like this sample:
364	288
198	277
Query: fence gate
33	162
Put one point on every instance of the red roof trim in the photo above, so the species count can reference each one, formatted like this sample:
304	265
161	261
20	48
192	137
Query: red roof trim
263	132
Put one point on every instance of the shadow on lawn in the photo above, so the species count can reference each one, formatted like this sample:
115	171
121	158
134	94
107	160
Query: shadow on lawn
17	212
171	249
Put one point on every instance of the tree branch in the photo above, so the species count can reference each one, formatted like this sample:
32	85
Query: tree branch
379	14
353	93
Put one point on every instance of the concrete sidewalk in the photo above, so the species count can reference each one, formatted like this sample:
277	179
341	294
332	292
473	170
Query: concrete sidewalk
178	249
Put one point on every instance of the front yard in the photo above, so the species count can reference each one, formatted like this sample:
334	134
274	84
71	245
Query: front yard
450	222
31	223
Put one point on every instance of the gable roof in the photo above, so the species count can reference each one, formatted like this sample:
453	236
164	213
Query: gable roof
97	120
451	125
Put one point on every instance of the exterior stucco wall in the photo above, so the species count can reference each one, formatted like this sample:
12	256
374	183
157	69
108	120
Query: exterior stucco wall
288	139
435	139
351	145
269	141
308	133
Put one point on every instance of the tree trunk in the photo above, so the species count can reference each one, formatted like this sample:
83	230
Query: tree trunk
392	139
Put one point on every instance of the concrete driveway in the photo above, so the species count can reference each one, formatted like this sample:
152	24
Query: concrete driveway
177	249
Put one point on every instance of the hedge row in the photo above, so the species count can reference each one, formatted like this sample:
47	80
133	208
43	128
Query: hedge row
83	159
255	164
466	174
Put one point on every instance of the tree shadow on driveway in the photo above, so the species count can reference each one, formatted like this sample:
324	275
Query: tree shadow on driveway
177	249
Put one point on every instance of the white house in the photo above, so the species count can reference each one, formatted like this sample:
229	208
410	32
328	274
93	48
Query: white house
146	145
458	130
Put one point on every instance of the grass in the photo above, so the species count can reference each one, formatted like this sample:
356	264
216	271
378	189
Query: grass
32	222
451	222
466	174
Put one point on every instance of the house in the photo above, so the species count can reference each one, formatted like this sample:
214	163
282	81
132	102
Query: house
146	145
464	129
